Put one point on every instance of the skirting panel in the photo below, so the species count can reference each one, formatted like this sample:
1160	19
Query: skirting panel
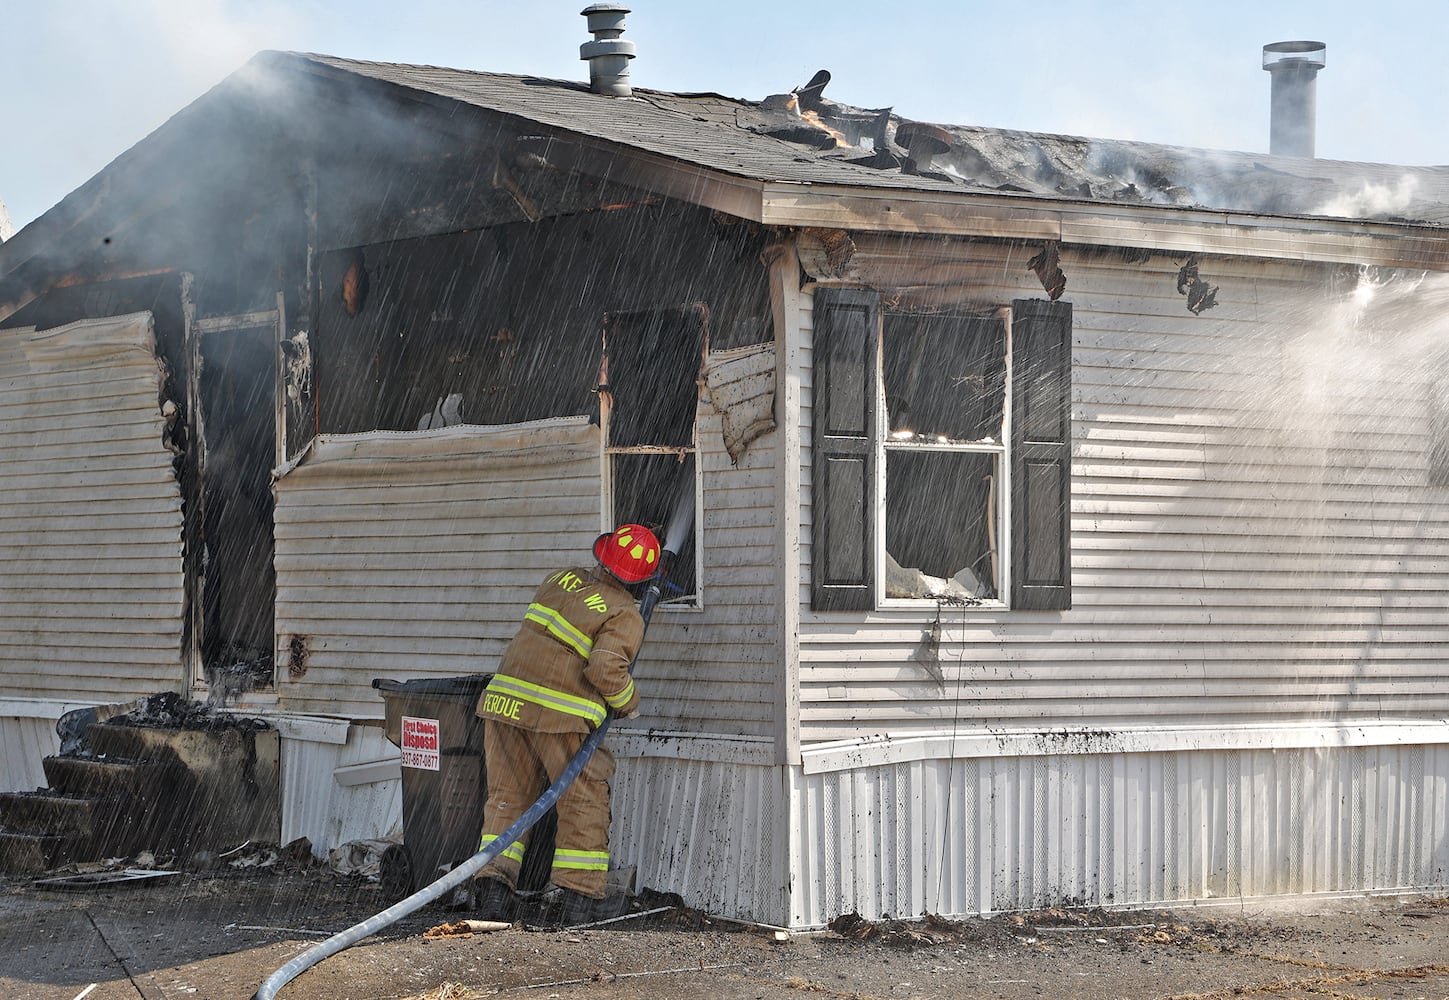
980	835
24	743
321	802
712	832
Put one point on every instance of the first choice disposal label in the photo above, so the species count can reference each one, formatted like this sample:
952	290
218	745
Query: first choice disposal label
420	743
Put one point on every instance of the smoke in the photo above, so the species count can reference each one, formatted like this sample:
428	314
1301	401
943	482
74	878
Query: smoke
1372	200
99	76
7	228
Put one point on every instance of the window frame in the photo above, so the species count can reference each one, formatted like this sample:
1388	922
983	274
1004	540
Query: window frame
1001	483
694	601
847	455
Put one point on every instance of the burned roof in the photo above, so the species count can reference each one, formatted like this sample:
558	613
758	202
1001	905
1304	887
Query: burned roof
410	150
802	137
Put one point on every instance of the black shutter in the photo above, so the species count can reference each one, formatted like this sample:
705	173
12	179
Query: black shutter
1041	433
842	538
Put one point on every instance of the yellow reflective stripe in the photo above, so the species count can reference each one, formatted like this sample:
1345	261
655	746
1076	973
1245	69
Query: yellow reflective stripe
513	851
587	861
622	698
559	701
560	628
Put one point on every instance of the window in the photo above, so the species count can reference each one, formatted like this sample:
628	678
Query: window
941	458
944	380
649	395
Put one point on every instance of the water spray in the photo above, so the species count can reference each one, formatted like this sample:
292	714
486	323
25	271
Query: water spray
676	533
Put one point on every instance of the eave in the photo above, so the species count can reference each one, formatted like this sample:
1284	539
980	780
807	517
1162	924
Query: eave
1171	230
947	212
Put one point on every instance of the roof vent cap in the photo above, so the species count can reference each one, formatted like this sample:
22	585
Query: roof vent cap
1293	119
608	54
923	143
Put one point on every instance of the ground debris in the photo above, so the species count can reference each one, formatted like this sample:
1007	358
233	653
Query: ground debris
1321	985
466	928
1166	934
454	991
684	917
198	927
803	984
1056	916
1008	927
929	931
169	710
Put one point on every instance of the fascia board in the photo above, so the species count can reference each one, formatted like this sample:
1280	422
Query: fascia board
1140	227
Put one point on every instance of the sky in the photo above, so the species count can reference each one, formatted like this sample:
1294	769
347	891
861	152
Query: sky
81	81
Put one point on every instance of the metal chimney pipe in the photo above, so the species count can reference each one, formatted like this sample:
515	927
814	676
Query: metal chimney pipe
608	54
1293	121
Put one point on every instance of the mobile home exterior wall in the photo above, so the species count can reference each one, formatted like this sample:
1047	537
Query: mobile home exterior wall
1246	697
1255	536
91	590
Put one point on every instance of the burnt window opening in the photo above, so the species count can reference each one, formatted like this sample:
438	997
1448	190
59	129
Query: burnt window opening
501	325
941	455
236	398
446	333
649	392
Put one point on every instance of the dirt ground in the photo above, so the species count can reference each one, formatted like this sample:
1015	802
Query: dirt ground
221	934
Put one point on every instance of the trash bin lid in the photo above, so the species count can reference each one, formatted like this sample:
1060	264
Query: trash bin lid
466	686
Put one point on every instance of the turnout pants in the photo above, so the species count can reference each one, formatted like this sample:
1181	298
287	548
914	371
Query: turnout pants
521	764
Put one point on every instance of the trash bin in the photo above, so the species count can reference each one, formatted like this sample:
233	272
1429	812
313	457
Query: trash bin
444	783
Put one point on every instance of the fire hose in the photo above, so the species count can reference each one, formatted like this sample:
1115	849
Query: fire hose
681	523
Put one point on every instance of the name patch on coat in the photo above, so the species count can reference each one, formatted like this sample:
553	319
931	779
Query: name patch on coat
502	705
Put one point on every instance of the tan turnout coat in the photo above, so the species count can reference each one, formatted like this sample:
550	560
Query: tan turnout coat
570	658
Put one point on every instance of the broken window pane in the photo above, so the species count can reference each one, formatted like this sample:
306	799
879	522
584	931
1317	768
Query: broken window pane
645	488
945	377
941	519
653	372
651	366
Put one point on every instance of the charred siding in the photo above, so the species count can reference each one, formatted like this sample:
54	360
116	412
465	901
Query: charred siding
718	670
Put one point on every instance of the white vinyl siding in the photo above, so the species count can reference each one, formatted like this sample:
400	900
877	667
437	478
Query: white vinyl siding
25	742
91	585
413	554
718	669
323	802
1253	536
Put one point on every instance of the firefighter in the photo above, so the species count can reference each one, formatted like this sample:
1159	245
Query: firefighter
567	666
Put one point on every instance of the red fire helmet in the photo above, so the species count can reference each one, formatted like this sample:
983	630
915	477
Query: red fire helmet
630	552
